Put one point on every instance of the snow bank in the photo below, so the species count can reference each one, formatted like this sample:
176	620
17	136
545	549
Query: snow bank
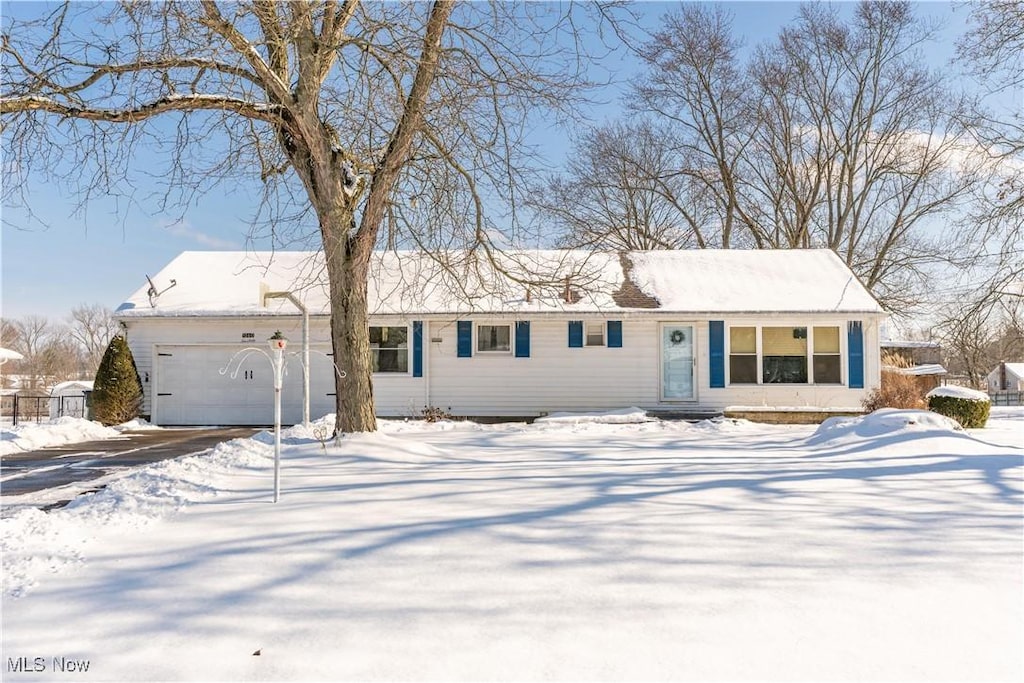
62	430
884	422
34	543
621	416
136	425
959	392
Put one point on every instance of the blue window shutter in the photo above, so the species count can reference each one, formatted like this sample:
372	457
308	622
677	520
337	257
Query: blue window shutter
716	353
417	348
575	334
614	334
465	338
855	351
522	339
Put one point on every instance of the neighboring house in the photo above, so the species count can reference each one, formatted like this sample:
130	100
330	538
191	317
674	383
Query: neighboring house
1006	377
689	331
68	398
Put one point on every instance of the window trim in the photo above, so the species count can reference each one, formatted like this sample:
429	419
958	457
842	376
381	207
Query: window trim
494	352
838	355
408	352
843	354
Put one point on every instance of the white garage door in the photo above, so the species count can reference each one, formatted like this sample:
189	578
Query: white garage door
190	389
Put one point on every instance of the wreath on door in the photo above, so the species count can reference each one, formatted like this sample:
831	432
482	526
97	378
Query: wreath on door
677	336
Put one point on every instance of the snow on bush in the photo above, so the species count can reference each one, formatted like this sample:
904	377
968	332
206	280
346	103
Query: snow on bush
958	392
968	407
62	430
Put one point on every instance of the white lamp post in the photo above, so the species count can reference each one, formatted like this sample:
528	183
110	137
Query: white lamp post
278	343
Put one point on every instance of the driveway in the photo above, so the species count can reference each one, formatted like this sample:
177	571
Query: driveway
47	468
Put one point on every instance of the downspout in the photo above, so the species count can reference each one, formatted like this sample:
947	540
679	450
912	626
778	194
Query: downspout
305	345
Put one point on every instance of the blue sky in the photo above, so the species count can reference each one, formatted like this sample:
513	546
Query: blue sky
101	253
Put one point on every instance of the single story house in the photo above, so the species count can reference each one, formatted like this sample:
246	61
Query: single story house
522	335
1006	377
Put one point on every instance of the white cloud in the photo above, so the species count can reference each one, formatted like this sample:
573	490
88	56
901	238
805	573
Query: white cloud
185	230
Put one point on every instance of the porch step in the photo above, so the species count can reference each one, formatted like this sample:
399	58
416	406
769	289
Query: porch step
686	414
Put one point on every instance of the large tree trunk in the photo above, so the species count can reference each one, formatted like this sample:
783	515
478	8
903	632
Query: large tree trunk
347	268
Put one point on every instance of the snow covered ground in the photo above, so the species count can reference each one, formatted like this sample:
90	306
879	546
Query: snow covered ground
886	547
58	431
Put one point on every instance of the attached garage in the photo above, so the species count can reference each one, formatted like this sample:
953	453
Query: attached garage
193	390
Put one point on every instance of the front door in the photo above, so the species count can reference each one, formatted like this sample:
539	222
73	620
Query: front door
677	362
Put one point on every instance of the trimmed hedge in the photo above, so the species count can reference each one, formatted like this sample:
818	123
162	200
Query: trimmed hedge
969	413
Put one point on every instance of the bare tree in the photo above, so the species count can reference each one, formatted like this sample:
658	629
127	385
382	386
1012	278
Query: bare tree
696	84
49	354
91	327
979	333
347	112
832	135
621	192
992	50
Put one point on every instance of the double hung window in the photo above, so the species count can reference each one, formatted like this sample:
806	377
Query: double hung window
389	348
494	338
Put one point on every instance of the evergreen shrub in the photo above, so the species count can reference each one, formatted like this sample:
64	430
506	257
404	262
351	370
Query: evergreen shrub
117	391
970	413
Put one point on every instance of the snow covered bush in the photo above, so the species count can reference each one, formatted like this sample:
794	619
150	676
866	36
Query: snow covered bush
117	391
968	407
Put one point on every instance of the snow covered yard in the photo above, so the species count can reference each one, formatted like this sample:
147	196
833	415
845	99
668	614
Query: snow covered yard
58	431
881	548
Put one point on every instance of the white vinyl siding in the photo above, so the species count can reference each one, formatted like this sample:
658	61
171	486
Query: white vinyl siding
554	377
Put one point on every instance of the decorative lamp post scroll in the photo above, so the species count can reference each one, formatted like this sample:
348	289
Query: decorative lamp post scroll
278	343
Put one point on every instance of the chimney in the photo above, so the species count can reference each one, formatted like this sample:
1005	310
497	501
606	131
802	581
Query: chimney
1003	384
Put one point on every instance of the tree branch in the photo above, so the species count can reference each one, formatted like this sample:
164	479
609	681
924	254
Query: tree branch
251	110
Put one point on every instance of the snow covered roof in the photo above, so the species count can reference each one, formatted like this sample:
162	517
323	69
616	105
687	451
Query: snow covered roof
1015	369
225	283
73	386
908	344
918	370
